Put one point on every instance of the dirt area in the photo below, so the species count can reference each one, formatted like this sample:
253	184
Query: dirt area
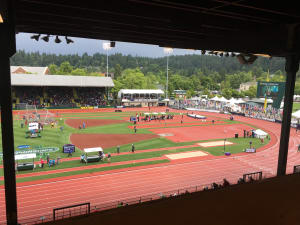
184	134
91	122
107	140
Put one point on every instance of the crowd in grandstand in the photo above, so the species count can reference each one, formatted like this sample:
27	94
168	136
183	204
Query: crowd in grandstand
59	96
248	110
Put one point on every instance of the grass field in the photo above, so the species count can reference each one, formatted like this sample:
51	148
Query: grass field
54	137
296	106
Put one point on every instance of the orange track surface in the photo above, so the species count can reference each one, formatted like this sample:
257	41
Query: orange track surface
39	199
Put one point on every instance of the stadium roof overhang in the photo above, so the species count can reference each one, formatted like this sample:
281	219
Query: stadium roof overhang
238	26
60	80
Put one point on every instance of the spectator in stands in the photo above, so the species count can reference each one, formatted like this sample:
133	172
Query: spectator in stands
214	185
225	183
241	181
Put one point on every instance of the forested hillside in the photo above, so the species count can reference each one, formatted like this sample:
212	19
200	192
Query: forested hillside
189	72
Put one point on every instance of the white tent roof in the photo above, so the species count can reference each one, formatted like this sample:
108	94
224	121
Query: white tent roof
296	114
140	91
30	69
239	101
216	98
25	156
260	132
97	149
60	80
233	101
222	99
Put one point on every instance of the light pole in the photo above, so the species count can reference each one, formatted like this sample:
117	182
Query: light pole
106	47
167	51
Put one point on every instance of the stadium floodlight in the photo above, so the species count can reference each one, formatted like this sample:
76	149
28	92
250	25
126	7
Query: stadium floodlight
112	44
167	51
68	40
106	46
57	40
1	19
35	37
46	38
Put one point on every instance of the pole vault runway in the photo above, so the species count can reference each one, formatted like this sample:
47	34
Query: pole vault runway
39	199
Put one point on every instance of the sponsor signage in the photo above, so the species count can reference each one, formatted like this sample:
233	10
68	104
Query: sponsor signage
250	150
68	148
23	146
38	151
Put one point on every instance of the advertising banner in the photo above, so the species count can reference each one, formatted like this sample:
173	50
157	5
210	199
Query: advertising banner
273	90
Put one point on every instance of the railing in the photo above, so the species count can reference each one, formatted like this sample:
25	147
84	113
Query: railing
87	208
72	210
296	169
252	176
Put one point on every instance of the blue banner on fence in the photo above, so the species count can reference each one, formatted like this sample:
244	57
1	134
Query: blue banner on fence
23	146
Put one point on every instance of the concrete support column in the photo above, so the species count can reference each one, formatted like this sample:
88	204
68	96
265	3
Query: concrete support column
291	67
7	46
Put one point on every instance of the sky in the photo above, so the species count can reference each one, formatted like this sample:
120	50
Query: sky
91	46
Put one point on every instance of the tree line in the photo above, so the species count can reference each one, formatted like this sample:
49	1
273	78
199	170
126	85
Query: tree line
193	73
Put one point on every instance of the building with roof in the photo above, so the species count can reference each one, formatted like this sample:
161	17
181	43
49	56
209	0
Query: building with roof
33	86
247	85
29	70
140	97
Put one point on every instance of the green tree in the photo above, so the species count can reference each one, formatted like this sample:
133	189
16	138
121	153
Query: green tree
117	71
65	68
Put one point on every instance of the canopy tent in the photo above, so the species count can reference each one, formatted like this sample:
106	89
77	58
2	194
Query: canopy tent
240	101
93	158
233	101
139	91
216	99
96	149
25	156
260	133
222	99
25	165
195	98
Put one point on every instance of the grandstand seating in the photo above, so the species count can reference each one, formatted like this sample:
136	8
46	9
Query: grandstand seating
58	96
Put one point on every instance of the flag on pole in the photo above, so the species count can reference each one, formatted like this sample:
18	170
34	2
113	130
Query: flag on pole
265	105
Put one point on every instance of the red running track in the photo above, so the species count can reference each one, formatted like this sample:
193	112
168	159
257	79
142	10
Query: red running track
40	199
